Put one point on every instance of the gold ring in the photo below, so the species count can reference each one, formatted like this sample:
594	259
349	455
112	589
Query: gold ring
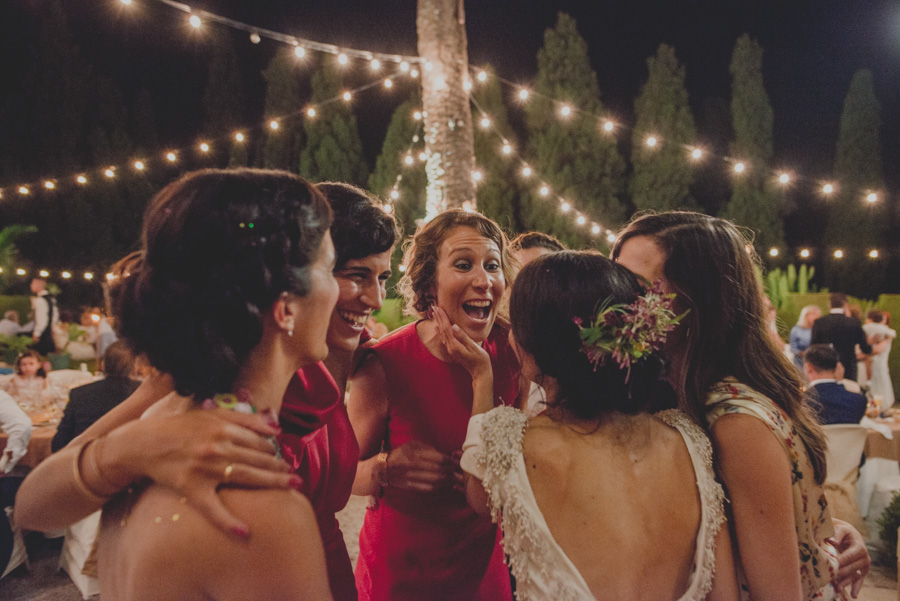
228	469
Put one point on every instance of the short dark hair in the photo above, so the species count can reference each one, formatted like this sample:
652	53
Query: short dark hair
547	296
361	227
535	240
837	300
218	249
875	315
822	357
118	360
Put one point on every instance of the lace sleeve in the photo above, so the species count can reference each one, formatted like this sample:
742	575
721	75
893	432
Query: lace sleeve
502	430
712	500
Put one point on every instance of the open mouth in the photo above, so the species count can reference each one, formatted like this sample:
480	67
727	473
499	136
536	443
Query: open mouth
357	320
478	309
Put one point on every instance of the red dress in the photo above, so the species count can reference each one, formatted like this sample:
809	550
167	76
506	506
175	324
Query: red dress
416	545
318	441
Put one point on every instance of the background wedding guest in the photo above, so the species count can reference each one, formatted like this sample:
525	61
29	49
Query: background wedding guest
17	426
29	381
9	325
842	332
46	315
531	245
90	402
837	405
800	334
881	337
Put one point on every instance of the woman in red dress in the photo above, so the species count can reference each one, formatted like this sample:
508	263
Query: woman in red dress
409	406
317	439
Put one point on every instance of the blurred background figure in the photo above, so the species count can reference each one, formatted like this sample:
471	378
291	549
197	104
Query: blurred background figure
880	336
802	332
46	315
842	332
9	325
836	404
17	425
529	246
92	401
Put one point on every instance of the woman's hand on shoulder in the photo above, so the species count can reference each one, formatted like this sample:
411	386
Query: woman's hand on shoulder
191	453
460	347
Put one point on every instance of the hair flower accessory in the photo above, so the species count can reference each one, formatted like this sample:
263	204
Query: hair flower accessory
629	332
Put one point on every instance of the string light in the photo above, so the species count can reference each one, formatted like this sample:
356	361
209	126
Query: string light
651	141
423	156
544	190
595	229
872	197
409	159
608	126
784	178
507	149
125	2
23	190
273	124
526	171
44	273
389	83
342	58
348	96
838	254
523	94
395	194
828	188
49	185
804	253
610	237
482	76
581	220
404	66
300	52
485	122
204	147
565	110
81	179
697	154
477	175
375	64
873	254
254	38
417	115
110	173
739	167
239	137
66	275
467	85
139	165
195	21
89	276
564	207
171	157
20	271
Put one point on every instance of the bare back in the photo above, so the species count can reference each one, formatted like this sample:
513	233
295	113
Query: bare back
622	502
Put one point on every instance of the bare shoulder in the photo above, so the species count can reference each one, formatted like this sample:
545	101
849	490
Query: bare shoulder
284	540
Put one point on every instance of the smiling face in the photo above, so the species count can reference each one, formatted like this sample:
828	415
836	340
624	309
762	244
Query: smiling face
469	281
314	310
361	285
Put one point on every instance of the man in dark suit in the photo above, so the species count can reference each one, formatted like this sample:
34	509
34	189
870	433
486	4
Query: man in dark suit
842	332
837	405
90	402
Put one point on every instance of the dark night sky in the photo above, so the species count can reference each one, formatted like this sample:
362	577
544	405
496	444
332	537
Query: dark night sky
812	50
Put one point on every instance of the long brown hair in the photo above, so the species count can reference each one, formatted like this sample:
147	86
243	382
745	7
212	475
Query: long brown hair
710	266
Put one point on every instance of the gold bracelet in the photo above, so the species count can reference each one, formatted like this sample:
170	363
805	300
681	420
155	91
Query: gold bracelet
381	475
79	479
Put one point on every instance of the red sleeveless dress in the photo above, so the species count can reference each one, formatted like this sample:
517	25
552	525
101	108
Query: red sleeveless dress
318	441
415	545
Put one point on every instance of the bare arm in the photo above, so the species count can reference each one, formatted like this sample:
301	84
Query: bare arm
757	475
725	586
415	465
50	497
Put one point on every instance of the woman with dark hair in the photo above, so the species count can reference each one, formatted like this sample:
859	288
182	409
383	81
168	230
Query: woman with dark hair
597	497
229	295
317	439
730	377
317	435
409	405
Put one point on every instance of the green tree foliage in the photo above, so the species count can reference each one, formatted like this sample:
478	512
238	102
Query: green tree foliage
281	149
223	100
572	155
754	201
497	193
333	150
410	203
662	174
854	224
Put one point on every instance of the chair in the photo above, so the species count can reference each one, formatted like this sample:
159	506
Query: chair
845	450
80	538
19	555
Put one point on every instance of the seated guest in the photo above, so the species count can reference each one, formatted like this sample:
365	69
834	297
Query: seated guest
9	325
17	425
92	401
837	405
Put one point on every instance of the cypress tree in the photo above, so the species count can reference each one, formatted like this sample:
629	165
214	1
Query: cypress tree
662	173
281	149
570	154
497	192
333	150
223	100
755	203
855	225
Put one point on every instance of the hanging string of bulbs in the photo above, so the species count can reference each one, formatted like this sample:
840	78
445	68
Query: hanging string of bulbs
409	65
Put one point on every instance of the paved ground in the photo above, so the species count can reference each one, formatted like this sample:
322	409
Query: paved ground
45	583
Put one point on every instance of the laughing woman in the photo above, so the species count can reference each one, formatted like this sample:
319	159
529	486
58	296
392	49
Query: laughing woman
410	405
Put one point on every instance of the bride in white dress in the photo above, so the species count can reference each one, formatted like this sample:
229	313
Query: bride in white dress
597	497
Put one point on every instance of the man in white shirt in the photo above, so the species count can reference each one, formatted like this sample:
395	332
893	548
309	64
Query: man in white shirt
46	315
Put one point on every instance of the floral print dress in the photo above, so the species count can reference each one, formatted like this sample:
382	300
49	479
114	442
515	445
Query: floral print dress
818	557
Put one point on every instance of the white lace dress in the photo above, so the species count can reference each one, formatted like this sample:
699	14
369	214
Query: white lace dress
493	453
